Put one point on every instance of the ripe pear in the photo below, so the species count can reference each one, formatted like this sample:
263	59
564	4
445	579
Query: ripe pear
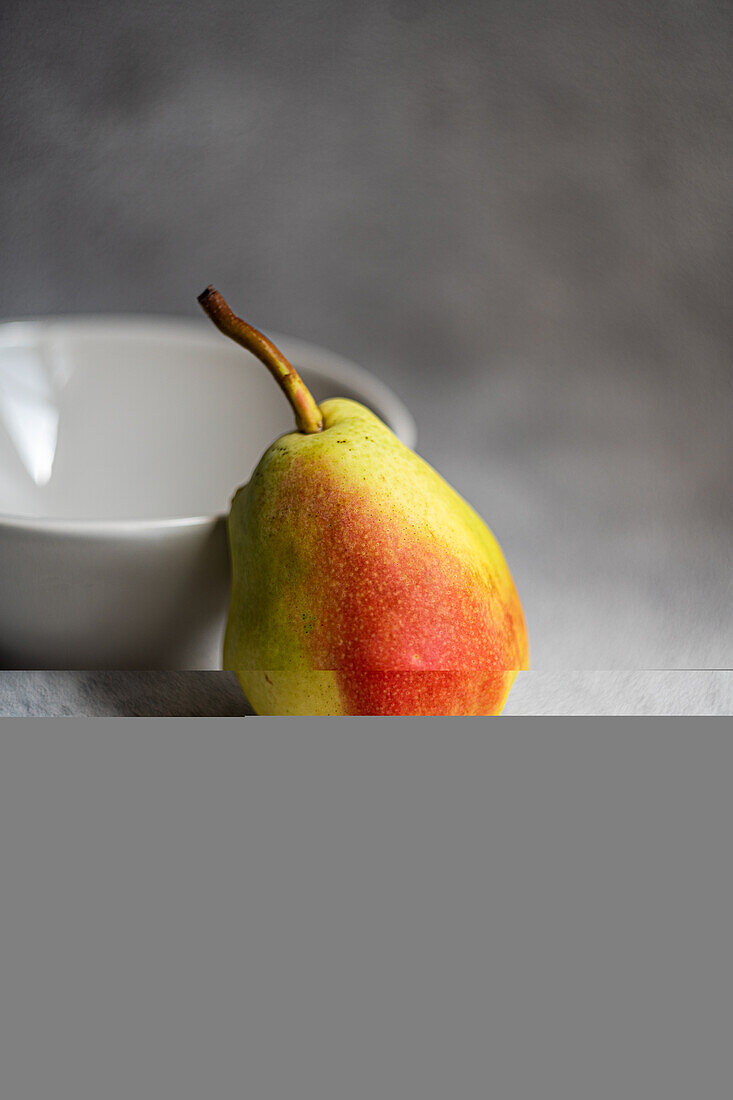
362	583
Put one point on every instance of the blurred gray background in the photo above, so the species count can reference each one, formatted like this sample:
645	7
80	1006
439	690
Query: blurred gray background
517	215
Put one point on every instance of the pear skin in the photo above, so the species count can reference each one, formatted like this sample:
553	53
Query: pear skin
368	585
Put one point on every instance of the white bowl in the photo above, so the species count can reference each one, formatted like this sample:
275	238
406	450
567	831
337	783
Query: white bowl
122	440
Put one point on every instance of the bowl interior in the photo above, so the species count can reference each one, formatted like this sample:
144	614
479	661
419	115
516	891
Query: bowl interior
137	418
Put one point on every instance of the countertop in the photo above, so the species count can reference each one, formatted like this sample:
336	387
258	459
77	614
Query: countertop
217	694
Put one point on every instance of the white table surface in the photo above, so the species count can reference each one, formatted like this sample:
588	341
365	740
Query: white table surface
217	694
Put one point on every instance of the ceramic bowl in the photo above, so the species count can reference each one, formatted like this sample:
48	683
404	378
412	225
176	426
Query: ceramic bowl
122	440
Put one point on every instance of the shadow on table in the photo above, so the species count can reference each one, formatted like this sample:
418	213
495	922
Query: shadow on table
124	694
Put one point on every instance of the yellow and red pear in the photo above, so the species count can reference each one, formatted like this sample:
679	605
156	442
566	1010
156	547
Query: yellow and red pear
362	583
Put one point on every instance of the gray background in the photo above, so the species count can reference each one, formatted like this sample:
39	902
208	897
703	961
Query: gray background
366	910
517	215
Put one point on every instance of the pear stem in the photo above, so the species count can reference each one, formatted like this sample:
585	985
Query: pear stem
307	414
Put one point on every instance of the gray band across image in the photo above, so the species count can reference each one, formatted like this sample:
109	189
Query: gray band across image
534	909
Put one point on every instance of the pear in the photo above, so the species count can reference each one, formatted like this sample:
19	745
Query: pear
362	583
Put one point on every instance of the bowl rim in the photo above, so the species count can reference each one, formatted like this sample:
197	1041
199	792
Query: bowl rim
307	356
